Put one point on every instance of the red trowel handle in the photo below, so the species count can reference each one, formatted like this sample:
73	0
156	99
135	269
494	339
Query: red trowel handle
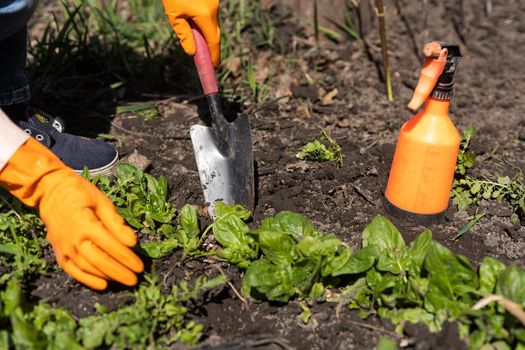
203	63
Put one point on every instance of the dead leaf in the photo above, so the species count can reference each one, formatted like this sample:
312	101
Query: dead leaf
303	112
284	82
344	123
262	74
233	65
328	98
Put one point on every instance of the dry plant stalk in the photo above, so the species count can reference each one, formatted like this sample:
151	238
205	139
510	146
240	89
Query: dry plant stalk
316	22
380	12
511	307
488	7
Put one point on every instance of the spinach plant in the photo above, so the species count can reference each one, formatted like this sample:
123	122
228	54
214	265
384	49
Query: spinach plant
186	235
141	199
287	258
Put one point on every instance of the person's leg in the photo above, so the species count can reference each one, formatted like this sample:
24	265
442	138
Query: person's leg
74	151
14	84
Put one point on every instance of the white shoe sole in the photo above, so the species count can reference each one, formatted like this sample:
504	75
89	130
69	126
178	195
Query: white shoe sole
105	170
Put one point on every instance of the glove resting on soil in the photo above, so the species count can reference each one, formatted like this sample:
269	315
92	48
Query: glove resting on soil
89	238
204	13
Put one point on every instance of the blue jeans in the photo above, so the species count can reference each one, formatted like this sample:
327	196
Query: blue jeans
14	83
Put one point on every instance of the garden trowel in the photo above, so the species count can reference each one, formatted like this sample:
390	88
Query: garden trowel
224	150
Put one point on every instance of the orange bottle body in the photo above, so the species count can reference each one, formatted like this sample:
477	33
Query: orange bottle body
424	162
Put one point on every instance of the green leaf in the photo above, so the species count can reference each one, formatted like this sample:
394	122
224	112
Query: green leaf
223	210
189	220
412	315
511	284
455	268
157	250
383	234
295	224
472	221
469	159
317	292
356	294
504	180
359	262
476	187
469	132
278	247
418	251
230	230
489	271
386	344
306	314
380	282
273	282
392	261
318	248
25	336
451	279
4	339
461	198
12	296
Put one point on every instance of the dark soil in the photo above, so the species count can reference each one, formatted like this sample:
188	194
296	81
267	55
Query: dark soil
489	85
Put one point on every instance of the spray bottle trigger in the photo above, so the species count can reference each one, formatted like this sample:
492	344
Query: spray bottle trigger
432	70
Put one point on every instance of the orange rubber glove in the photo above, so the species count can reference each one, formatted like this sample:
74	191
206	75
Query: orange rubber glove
204	13
89	238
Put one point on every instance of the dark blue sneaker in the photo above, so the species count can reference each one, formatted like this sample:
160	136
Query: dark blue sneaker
75	151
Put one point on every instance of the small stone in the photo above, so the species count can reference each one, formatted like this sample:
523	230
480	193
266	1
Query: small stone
140	161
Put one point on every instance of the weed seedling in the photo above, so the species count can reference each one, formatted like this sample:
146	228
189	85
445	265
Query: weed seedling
322	150
154	320
22	239
466	158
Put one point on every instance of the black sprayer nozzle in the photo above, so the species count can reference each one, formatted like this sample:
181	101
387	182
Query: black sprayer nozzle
445	83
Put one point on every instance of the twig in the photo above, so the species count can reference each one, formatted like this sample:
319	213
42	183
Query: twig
373	328
316	23
380	13
244	301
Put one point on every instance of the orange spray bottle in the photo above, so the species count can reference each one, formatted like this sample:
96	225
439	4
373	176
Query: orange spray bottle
427	149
